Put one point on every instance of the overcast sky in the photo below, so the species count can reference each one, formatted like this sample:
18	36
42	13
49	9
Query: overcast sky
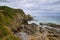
35	7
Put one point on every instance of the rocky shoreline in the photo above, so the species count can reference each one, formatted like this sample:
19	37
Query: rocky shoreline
36	32
14	25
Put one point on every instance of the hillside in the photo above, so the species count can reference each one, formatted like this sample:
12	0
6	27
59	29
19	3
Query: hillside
11	19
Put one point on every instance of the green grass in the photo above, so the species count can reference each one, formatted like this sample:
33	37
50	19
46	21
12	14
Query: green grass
6	17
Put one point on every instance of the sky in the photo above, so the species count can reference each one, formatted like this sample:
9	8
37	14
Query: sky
35	7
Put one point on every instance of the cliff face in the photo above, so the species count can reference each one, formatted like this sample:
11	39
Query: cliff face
10	19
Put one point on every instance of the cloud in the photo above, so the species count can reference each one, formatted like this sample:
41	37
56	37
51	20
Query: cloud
3	1
10	0
36	6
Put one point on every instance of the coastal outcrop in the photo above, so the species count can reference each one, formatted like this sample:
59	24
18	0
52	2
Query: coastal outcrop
14	26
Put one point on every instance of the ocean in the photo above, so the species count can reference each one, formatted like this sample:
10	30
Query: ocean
46	19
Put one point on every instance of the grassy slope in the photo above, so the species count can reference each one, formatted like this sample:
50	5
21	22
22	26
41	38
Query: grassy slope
8	19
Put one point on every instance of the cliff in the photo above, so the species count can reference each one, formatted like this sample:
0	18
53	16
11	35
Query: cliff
14	26
10	20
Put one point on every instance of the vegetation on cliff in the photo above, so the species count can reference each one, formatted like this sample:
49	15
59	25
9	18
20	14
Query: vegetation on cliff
10	19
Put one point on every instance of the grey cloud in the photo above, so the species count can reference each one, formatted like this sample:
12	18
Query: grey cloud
3	1
10	1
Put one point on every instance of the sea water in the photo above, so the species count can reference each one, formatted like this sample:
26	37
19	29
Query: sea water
46	19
